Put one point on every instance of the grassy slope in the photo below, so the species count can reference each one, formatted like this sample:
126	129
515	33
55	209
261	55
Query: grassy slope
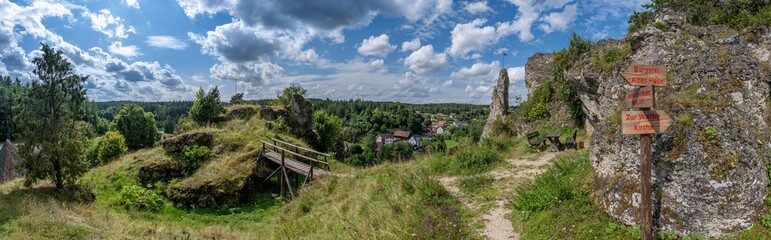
393	201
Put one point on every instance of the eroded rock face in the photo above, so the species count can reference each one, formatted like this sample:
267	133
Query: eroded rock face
499	107
709	175
9	158
299	119
177	143
538	68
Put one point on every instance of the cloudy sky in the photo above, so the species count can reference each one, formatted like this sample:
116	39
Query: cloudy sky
416	51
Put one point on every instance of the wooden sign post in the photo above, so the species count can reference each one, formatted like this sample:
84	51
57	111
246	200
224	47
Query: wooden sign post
645	122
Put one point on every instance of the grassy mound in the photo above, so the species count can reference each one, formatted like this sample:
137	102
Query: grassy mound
390	201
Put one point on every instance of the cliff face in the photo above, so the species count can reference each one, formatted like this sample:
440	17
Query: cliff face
538	68
499	107
709	175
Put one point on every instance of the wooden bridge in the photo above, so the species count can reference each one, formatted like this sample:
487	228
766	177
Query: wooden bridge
302	161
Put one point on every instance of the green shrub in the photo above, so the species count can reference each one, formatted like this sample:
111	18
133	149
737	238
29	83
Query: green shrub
398	151
711	133
538	111
192	156
766	220
134	197
106	149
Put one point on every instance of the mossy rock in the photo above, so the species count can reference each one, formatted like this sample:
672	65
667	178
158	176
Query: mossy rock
159	168
240	112
177	143
224	182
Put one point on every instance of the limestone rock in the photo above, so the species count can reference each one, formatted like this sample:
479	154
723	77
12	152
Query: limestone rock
538	68
499	107
704	181
299	119
240	112
177	143
159	168
9	158
267	113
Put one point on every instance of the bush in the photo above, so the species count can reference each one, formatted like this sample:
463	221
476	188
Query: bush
107	148
766	220
134	197
398	151
192	156
538	111
137	126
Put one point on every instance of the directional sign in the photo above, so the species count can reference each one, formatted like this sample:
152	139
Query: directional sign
641	97
644	122
646	75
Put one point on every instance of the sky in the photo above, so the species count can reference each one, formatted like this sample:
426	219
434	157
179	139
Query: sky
413	51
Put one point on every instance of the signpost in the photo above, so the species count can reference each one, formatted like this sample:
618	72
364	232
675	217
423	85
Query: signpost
640	98
645	121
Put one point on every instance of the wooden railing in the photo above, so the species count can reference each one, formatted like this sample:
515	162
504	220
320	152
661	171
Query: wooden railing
307	151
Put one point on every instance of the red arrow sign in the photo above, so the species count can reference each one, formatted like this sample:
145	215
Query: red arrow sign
646	75
644	122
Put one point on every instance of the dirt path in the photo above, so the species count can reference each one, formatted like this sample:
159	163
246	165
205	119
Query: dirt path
520	170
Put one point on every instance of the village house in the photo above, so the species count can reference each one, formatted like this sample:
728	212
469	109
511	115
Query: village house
438	127
398	135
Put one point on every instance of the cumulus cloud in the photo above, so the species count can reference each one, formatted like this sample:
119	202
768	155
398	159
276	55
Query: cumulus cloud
516	74
470	36
486	71
558	21
104	22
166	42
377	63
238	43
376	46
477	7
253	73
128	51
131	3
425	60
412	45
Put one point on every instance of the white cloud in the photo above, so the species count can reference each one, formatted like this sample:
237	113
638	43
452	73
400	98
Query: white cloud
376	46
527	14
558	21
516	74
132	3
470	37
104	22
166	42
253	73
377	63
128	51
485	71
412	45
425	60
477	7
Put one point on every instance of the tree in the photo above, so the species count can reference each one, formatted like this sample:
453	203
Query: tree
328	128
286	96
236	99
206	107
137	126
107	148
49	118
9	94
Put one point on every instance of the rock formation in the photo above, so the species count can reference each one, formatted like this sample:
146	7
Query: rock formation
709	175
499	107
300	119
538	68
9	158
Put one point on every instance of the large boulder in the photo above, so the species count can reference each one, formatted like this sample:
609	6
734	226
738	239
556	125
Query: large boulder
299	119
538	68
159	167
709	175
240	112
499	107
223	182
177	143
9	158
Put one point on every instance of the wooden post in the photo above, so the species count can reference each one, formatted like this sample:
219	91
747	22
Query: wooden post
282	177
646	218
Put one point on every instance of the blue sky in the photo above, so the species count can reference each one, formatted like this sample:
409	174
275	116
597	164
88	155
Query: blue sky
416	51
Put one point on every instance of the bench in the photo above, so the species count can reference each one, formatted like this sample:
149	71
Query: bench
535	140
571	141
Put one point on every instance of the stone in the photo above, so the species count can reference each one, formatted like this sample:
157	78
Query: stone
267	113
9	159
299	119
538	68
177	143
703	184
240	112
499	107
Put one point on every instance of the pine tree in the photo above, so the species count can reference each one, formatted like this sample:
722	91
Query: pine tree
207	107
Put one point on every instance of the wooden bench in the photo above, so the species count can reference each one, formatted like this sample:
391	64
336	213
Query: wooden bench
571	141
535	140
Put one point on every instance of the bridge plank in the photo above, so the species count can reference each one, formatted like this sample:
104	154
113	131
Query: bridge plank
294	165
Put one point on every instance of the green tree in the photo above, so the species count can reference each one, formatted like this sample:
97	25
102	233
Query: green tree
49	118
237	98
106	148
137	126
206	107
286	96
328	128
9	94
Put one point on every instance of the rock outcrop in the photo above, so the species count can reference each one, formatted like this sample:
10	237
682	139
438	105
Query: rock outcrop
709	175
538	68
300	119
499	107
9	158
177	143
240	112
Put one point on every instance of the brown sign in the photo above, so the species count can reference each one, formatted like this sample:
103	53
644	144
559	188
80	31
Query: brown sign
644	122
641	97
646	75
